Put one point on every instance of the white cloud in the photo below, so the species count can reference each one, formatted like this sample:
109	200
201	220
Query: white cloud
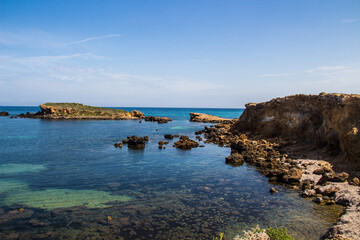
276	75
325	69
93	38
351	20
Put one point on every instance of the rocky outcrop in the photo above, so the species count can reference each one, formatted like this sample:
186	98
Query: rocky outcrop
327	120
3	113
80	111
157	119
135	142
316	178
206	118
186	143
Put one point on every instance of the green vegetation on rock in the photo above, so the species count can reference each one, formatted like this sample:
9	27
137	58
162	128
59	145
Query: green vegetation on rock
82	107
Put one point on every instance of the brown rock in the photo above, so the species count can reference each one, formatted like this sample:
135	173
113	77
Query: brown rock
235	159
355	182
340	177
186	143
273	190
329	120
206	118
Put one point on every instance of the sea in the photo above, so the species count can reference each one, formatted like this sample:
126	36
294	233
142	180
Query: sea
64	179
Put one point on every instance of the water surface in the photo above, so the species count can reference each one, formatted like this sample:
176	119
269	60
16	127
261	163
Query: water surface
64	179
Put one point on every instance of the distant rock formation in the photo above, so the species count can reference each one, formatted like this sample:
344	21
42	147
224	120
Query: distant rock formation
3	113
325	120
80	111
206	118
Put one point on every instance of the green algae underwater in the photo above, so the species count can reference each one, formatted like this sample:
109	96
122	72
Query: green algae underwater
67	181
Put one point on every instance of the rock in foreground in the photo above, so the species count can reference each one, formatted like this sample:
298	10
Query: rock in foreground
206	118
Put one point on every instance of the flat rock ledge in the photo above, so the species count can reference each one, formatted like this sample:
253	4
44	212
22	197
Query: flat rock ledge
206	118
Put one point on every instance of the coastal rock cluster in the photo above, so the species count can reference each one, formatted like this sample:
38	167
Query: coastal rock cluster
330	121
275	125
3	113
206	118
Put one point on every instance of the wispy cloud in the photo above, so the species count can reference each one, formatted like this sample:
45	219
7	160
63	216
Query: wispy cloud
325	69
93	38
350	20
276	75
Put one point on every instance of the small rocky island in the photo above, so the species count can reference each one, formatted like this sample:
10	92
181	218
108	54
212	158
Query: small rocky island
81	111
207	118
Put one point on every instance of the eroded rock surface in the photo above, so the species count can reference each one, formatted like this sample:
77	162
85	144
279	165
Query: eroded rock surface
331	121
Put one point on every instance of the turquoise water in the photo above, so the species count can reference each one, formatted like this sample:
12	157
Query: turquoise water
63	179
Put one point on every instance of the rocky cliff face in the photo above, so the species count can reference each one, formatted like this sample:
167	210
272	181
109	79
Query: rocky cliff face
327	120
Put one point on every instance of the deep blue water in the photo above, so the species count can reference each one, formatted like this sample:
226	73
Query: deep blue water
149	194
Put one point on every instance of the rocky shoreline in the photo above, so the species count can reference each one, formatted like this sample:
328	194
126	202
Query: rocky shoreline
272	134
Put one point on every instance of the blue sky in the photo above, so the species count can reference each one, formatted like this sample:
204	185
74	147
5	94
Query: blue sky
186	53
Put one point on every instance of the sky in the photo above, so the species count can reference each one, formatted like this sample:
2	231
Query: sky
178	53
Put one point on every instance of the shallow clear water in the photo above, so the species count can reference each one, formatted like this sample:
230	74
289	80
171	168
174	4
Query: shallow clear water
64	178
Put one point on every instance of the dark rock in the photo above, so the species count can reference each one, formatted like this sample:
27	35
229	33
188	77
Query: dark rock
157	119
325	178
201	145
340	177
307	184
3	113
318	200
119	145
137	142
